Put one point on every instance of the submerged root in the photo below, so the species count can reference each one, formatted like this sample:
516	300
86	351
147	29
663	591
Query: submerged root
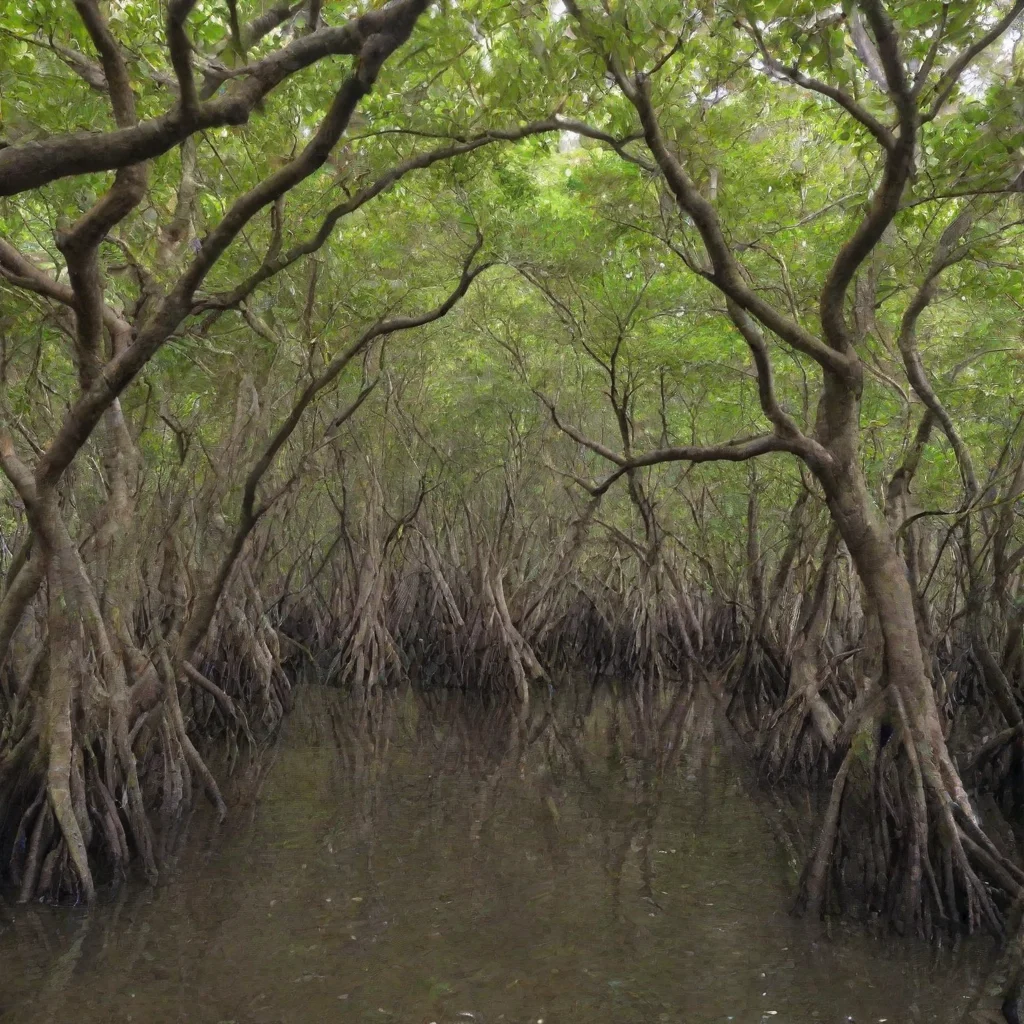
81	828
899	843
87	795
460	630
800	737
997	765
367	656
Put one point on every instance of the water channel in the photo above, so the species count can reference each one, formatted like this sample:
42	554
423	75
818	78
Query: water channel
419	866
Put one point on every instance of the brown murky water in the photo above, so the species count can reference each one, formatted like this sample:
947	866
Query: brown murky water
611	873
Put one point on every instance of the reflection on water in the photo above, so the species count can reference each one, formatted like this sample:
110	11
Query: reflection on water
432	864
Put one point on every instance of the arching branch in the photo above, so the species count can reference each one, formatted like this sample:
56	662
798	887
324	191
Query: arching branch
33	164
122	368
885	203
949	78
726	273
881	133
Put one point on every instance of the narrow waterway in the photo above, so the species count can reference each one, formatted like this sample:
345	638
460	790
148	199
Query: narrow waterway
418	866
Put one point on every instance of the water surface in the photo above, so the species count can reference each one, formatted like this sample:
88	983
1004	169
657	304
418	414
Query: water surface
423	867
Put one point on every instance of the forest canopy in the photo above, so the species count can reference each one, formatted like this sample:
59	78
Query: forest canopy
483	344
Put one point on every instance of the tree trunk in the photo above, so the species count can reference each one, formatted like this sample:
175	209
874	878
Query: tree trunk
921	848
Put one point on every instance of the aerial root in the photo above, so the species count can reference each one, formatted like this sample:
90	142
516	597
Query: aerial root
801	734
923	862
76	813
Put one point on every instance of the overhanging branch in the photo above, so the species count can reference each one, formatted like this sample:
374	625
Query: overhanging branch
34	164
739	450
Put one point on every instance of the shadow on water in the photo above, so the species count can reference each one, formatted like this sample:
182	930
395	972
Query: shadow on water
423	860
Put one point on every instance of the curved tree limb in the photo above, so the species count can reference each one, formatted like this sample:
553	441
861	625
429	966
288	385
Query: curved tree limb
882	135
122	368
726	274
885	203
739	450
949	78
33	164
274	263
